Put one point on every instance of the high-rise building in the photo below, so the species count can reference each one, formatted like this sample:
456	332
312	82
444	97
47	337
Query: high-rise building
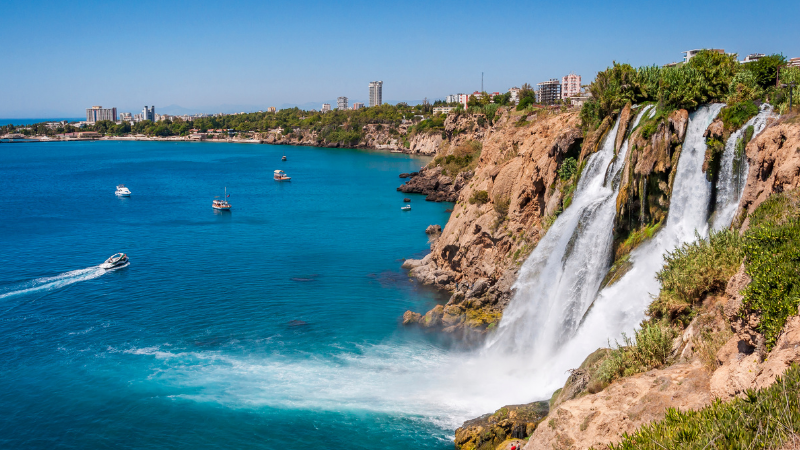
271	109
357	106
375	93
326	107
98	113
549	92
149	113
341	103
452	98
570	86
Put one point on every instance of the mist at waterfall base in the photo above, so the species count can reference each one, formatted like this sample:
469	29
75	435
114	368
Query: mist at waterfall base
277	324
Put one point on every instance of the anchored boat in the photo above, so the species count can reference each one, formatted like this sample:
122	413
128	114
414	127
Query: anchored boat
280	175
223	204
122	191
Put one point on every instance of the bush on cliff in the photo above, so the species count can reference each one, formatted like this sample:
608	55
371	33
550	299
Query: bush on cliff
479	197
762	419
649	349
461	159
693	271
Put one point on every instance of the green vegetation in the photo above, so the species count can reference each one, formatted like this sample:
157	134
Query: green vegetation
479	197
463	158
693	271
707	77
527	97
569	167
649	349
735	115
635	238
764	419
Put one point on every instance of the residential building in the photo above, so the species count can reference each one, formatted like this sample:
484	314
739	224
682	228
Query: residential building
463	99
375	93
570	86
126	117
341	103
326	107
578	100
271	109
689	54
514	91
752	57
452	98
443	109
98	113
357	106
794	62
149	113
548	92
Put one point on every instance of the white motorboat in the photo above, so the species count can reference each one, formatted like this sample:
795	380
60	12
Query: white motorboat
122	191
406	208
116	260
223	204
280	175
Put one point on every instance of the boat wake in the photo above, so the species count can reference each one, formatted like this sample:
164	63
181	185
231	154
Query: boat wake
46	284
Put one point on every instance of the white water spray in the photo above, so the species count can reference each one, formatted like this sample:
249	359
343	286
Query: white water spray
733	171
45	284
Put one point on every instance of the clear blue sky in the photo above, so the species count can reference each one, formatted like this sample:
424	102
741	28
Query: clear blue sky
62	57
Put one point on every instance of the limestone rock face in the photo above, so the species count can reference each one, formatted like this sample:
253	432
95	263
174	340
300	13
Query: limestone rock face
513	422
774	157
433	229
624	121
484	243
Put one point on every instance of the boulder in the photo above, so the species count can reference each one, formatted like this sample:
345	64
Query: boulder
433	318
433	229
478	288
407	200
410	317
405	175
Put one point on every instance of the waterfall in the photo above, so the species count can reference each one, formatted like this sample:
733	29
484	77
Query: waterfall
560	279
733	171
539	324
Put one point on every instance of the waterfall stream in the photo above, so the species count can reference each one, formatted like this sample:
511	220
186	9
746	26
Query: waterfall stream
733	171
561	278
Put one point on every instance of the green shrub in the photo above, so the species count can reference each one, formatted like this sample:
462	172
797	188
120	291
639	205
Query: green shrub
463	158
735	115
479	197
764	419
650	349
695	270
501	206
569	167
772	254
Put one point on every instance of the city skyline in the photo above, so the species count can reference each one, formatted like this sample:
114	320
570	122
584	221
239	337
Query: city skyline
438	57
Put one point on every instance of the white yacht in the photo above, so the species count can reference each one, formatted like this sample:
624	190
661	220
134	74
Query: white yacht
223	204
122	191
116	260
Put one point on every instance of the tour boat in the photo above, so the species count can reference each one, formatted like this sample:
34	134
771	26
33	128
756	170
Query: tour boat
281	176
284	158
122	191
116	260
406	208
223	204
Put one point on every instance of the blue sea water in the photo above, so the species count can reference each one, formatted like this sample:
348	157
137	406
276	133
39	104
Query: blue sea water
274	325
30	121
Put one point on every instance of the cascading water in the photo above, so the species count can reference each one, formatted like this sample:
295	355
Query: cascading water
540	311
733	170
562	276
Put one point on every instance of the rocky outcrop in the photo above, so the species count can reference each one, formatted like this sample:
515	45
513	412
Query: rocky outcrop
424	144
509	423
436	186
774	158
499	214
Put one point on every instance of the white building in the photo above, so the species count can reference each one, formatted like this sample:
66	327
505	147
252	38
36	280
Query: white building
452	98
341	103
98	113
357	106
689	54
271	109
570	86
752	57
514	91
463	99
375	93
326	107
443	109
149	113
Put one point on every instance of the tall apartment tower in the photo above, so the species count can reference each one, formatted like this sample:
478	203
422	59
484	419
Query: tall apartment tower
149	113
570	86
341	103
98	113
375	93
549	92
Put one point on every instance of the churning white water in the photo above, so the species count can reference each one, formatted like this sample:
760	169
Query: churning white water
539	323
733	171
45	284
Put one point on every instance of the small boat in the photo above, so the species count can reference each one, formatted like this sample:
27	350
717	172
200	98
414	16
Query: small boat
284	158
281	176
223	204
406	208
116	260
122	191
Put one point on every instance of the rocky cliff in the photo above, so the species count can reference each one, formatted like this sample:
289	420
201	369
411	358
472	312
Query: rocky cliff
501	212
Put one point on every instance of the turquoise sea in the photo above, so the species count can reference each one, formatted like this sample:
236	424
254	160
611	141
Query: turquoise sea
275	325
